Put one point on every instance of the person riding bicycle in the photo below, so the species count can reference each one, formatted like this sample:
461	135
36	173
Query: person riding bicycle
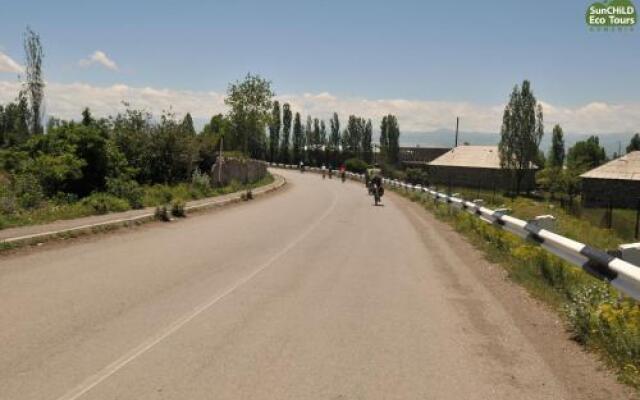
375	187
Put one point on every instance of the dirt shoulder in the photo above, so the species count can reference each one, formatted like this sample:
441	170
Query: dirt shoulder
581	372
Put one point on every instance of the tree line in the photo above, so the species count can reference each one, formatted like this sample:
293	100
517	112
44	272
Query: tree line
559	170
67	160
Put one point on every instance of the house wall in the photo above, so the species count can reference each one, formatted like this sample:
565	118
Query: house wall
483	178
621	193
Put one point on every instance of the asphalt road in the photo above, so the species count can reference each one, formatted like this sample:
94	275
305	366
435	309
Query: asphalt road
310	293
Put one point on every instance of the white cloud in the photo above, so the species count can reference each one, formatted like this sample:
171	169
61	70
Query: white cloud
7	64
68	100
99	57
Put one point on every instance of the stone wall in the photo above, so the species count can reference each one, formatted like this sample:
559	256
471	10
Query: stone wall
239	170
483	178
621	193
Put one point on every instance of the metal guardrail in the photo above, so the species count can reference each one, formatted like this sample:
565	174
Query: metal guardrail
621	274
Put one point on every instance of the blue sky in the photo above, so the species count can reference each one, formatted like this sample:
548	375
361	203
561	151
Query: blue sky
464	52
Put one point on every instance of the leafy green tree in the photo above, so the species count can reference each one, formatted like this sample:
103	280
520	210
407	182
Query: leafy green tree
172	151
522	130
34	84
585	155
274	131
308	132
208	142
286	130
557	153
323	133
216	125
390	139
250	106
634	145
316	133
74	158
384	139
367	149
298	139
87	119
334	138
187	125
355	133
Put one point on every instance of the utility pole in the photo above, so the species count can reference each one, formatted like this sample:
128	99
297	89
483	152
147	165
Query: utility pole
457	125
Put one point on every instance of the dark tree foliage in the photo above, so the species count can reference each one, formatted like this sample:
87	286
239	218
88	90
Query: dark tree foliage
323	133
354	135
557	153
286	131
585	155
390	139
634	145
250	105
308	133
334	138
298	139
367	149
522	130
14	120
87	119
187	125
34	84
274	131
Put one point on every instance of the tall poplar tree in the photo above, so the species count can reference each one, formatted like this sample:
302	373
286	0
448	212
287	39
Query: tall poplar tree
522	130
286	130
187	125
367	148
274	131
557	153
390	139
298	139
34	84
334	139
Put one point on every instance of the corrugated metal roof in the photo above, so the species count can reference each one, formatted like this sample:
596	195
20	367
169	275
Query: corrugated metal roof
625	168
470	156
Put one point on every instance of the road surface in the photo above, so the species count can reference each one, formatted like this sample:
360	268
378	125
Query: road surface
310	293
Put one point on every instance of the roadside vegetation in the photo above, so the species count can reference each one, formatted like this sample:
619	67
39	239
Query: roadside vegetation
61	169
598	317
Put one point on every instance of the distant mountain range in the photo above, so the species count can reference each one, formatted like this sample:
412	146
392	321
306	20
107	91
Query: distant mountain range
612	142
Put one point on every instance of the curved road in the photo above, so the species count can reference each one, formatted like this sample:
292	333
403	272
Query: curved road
311	293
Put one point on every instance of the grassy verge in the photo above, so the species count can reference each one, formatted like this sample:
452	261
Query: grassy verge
585	228
596	314
102	203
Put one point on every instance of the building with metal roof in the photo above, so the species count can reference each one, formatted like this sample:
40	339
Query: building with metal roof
616	183
475	167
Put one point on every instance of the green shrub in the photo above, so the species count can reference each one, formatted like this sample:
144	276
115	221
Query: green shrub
102	203
178	209
417	176
157	194
200	182
356	165
126	189
8	201
27	190
162	213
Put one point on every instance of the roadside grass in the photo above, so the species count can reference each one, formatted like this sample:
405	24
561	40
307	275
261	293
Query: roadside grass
103	203
596	314
585	227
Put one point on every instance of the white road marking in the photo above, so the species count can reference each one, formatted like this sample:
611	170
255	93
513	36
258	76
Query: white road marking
115	366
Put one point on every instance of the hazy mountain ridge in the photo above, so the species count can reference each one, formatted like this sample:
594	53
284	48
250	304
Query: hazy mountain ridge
612	142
